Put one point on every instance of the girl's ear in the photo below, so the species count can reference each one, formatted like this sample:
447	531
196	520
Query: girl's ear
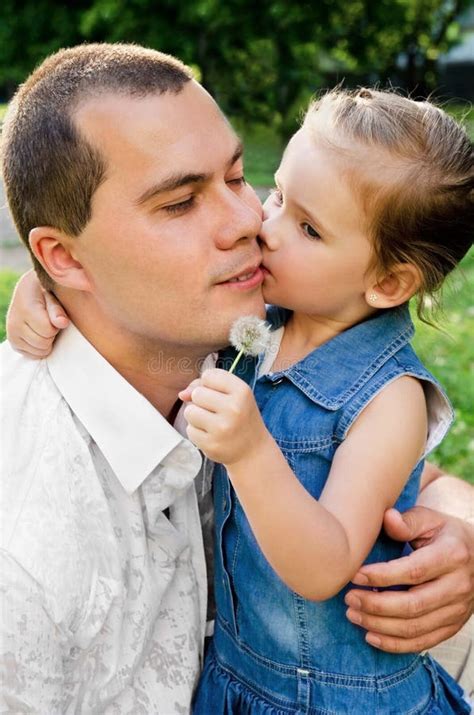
53	251
395	288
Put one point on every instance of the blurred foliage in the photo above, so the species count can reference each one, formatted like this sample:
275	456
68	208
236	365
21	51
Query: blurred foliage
8	280
449	354
261	60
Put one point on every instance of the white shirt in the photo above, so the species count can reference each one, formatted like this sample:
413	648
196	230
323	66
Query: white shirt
104	597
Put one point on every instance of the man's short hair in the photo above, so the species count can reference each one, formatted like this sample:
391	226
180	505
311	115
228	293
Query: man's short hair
50	171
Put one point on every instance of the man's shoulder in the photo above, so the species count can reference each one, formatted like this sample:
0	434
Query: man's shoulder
39	441
18	373
29	397
49	489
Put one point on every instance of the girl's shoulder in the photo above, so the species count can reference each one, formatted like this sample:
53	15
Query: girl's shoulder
403	362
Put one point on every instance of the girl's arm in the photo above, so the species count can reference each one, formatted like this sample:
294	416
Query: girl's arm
315	546
34	318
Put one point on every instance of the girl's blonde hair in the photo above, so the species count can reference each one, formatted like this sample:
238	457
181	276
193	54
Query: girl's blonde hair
418	191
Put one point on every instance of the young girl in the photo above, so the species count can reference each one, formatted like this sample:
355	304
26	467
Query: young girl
374	204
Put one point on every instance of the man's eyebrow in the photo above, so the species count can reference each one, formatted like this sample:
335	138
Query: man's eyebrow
175	181
239	150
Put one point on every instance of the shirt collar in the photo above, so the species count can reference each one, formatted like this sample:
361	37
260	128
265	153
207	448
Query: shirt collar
132	435
345	371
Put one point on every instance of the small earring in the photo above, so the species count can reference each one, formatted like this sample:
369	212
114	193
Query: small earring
373	297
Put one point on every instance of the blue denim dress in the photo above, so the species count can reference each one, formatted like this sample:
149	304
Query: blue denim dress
273	651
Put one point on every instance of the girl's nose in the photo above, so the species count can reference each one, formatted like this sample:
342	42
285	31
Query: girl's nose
269	231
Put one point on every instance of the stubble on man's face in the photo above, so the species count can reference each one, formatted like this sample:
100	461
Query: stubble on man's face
164	263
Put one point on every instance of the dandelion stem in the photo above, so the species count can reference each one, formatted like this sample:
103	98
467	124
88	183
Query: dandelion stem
234	364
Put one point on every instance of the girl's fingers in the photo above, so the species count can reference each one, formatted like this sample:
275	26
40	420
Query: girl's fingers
221	380
186	394
208	399
57	314
197	436
31	350
28	305
32	339
200	418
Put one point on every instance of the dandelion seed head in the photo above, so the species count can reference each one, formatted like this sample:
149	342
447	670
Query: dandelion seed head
250	334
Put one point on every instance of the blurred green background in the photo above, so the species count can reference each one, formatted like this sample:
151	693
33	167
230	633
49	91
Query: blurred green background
262	61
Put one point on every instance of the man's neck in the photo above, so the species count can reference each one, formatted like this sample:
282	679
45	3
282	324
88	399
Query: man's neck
158	371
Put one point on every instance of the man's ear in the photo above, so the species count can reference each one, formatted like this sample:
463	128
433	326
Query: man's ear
395	288
52	249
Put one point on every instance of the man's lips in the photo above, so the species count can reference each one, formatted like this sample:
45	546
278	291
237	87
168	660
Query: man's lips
248	277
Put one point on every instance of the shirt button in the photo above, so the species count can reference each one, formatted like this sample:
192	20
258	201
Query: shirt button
278	381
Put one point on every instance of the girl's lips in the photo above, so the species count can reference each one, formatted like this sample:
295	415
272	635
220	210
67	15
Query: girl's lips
252	281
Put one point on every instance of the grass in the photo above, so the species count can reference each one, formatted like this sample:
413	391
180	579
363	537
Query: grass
7	283
449	354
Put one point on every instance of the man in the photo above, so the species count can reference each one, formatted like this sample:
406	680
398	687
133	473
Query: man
126	182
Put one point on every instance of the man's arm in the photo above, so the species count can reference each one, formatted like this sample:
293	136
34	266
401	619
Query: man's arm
31	668
440	571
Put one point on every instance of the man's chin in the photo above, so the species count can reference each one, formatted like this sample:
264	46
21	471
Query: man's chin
255	305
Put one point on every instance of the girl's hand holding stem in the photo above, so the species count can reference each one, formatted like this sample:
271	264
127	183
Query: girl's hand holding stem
223	418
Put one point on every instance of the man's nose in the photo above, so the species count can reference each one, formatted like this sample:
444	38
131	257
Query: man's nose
238	220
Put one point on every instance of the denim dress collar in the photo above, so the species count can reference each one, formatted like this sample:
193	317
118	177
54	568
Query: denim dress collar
378	339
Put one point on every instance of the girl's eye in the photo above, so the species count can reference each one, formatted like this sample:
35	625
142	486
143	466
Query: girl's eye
310	231
277	196
180	207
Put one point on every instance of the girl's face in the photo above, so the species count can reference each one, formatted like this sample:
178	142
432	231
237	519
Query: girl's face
315	243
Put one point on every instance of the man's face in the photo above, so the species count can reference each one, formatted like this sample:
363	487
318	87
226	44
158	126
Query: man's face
173	224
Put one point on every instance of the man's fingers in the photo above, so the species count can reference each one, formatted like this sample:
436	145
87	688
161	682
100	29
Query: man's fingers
416	523
390	644
56	312
410	628
408	604
420	566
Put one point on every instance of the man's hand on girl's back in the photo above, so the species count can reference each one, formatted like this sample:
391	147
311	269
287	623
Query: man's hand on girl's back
440	576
